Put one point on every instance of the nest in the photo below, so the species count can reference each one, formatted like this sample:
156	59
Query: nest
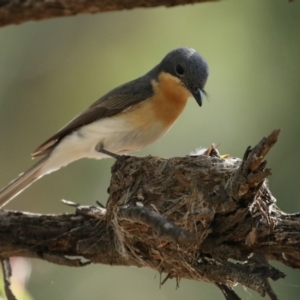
186	216
185	191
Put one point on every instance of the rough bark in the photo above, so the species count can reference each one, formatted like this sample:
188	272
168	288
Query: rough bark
204	218
20	11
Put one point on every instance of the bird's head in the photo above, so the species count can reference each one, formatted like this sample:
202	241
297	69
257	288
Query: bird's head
190	68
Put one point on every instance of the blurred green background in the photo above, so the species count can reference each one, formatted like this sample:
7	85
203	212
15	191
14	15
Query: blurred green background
51	70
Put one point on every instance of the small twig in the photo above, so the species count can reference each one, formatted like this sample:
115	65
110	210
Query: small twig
165	279
6	269
228	292
158	223
70	203
247	152
100	204
270	291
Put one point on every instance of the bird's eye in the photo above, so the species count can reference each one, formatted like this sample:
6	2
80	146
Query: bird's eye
179	70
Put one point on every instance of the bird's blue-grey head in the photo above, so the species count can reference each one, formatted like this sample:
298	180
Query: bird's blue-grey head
190	67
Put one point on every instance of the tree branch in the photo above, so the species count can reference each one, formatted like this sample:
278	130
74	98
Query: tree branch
20	11
203	218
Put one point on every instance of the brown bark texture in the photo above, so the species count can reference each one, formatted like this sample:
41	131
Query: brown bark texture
20	11
205	218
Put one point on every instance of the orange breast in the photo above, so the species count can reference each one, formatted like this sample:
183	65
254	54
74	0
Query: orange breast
169	99
153	117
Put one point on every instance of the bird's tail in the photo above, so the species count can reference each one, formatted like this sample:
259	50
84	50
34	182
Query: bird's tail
23	181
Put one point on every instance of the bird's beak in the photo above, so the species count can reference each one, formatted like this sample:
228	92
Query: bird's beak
198	95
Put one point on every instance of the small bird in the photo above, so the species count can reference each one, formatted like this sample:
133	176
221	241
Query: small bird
126	119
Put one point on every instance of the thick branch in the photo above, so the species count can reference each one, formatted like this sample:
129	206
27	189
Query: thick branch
182	216
20	11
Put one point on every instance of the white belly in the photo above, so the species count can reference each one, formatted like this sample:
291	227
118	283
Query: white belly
117	134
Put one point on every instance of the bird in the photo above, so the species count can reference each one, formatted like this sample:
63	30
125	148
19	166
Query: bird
124	120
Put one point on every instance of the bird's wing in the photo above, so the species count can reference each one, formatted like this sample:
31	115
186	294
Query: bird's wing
114	102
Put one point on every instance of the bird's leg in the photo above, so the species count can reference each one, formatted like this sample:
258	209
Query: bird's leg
113	155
